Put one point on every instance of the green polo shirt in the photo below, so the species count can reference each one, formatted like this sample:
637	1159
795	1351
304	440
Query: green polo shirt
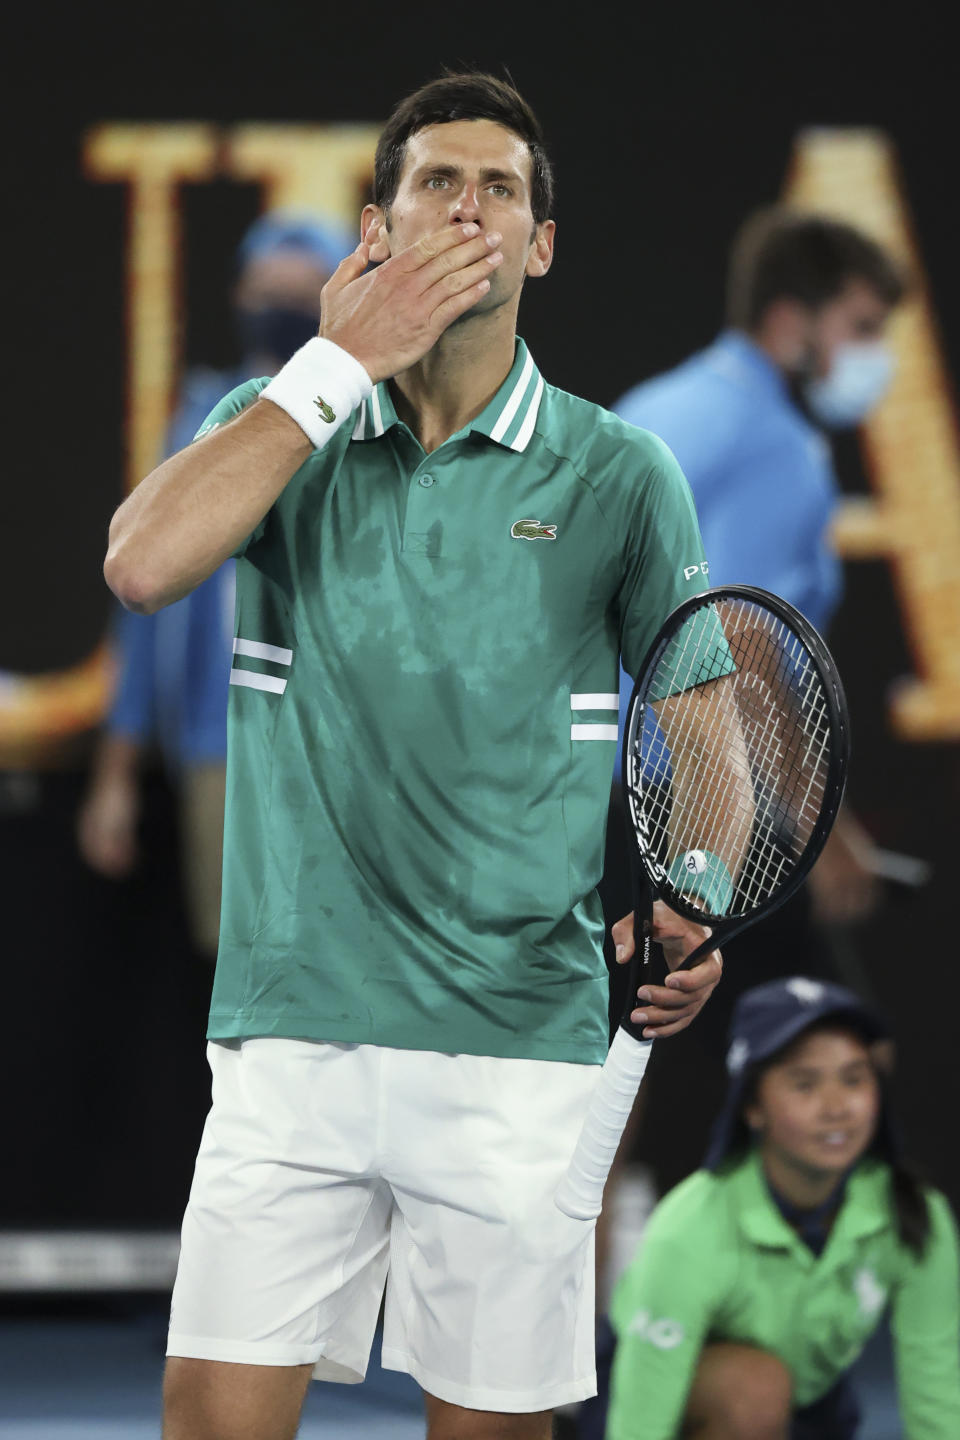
718	1262
423	720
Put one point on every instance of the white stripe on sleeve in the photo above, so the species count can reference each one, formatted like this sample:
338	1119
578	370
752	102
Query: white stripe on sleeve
594	701
258	651
594	732
253	681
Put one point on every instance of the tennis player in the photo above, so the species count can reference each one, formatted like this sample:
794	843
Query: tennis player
439	558
761	1278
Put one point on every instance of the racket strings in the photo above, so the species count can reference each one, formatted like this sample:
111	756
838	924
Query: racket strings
803	780
694	665
732	745
802	774
678	810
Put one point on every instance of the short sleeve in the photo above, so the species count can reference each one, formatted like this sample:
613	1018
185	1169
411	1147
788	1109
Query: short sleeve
232	405
664	561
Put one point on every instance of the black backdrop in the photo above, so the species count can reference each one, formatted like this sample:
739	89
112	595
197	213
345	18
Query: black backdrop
666	125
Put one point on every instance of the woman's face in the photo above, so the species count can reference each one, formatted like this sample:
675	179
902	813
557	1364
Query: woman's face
815	1110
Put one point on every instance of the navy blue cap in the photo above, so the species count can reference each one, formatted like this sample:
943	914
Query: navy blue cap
765	1021
324	240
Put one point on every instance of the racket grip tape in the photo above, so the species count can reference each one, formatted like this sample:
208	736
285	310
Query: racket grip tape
580	1193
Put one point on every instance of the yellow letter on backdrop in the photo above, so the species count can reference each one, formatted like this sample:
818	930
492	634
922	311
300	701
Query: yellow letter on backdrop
910	443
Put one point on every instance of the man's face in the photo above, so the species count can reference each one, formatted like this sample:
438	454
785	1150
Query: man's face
857	315
469	170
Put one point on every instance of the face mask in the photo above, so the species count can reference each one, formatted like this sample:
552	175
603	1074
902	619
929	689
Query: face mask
275	332
859	377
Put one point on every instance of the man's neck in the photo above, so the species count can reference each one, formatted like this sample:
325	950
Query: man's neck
769	346
457	378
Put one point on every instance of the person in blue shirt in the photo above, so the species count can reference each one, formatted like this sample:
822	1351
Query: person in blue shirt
808	303
172	668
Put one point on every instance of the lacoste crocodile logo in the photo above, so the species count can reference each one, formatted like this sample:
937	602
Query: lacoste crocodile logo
326	412
532	530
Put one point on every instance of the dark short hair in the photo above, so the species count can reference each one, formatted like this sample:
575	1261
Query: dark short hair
780	253
464	96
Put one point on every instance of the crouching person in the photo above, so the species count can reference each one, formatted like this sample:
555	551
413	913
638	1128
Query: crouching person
762	1276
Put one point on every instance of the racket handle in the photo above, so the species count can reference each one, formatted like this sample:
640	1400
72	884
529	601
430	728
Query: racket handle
580	1193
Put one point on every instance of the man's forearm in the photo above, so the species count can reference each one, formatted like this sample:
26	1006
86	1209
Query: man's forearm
194	510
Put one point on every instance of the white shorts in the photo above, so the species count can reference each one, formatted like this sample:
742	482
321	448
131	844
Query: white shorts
328	1171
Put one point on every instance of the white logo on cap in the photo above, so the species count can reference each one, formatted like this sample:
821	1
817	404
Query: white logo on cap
808	992
694	862
737	1055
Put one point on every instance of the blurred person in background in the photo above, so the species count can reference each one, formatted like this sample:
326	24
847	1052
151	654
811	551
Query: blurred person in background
760	1279
173	667
808	301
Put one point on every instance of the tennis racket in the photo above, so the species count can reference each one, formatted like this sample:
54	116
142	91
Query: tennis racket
734	761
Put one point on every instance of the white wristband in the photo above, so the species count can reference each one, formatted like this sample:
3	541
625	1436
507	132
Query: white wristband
319	387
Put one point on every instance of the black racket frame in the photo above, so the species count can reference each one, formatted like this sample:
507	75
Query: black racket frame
647	880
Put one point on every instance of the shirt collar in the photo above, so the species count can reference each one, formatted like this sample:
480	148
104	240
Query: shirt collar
735	356
812	1225
759	1218
865	1209
509	419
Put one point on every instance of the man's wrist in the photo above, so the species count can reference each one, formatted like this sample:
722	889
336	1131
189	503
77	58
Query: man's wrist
319	387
